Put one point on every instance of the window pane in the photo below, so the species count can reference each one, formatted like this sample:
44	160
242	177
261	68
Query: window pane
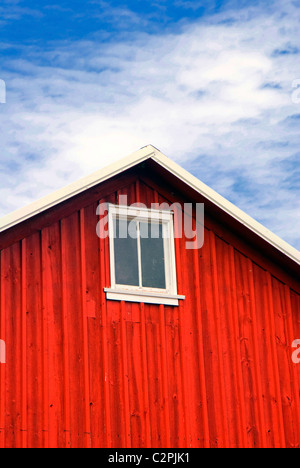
152	256
126	253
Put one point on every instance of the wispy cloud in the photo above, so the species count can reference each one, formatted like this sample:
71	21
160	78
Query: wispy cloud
215	96
12	10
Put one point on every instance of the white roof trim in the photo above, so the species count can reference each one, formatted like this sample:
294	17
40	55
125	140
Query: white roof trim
132	160
73	189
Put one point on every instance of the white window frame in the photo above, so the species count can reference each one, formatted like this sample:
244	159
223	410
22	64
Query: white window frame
120	292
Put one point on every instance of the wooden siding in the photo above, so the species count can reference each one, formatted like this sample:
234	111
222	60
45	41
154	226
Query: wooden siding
85	372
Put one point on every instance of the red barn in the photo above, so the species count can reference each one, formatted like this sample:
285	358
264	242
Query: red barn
113	340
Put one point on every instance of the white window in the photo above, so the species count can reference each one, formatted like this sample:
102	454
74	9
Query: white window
142	256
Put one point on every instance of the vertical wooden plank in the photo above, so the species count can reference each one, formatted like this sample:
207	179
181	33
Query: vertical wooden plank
86	235
103	244
65	324
125	376
86	403
285	364
234	321
257	359
35	397
73	321
116	376
94	289
212	345
24	344
278	425
92	265
216	300
228	340
53	322
145	378
176	400
266	363
12	304
246	347
135	380
130	193
180	285
45	351
205	421
157	420
165	377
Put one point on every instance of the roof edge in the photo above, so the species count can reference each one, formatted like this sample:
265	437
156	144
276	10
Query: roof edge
228	207
71	190
149	152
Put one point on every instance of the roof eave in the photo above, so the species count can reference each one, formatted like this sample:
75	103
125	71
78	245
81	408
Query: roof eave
232	210
63	194
145	153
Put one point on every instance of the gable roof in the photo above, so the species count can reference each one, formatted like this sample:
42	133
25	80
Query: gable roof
150	153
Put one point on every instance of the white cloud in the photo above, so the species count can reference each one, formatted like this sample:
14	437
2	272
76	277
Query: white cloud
214	96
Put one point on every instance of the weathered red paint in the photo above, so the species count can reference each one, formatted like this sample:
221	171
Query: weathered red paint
85	372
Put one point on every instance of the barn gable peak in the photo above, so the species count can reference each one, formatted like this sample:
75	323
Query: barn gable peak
151	155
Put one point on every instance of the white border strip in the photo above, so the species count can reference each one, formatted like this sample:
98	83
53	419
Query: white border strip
142	296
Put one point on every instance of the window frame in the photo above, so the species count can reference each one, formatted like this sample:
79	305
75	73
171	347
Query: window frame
119	292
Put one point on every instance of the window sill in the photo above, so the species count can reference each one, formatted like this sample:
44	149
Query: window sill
142	296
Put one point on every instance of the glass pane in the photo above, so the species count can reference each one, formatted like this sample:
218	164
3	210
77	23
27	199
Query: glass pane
126	253
152	256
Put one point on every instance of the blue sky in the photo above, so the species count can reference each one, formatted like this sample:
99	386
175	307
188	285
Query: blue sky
65	20
210	83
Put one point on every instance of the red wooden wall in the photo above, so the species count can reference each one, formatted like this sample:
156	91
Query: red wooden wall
85	372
